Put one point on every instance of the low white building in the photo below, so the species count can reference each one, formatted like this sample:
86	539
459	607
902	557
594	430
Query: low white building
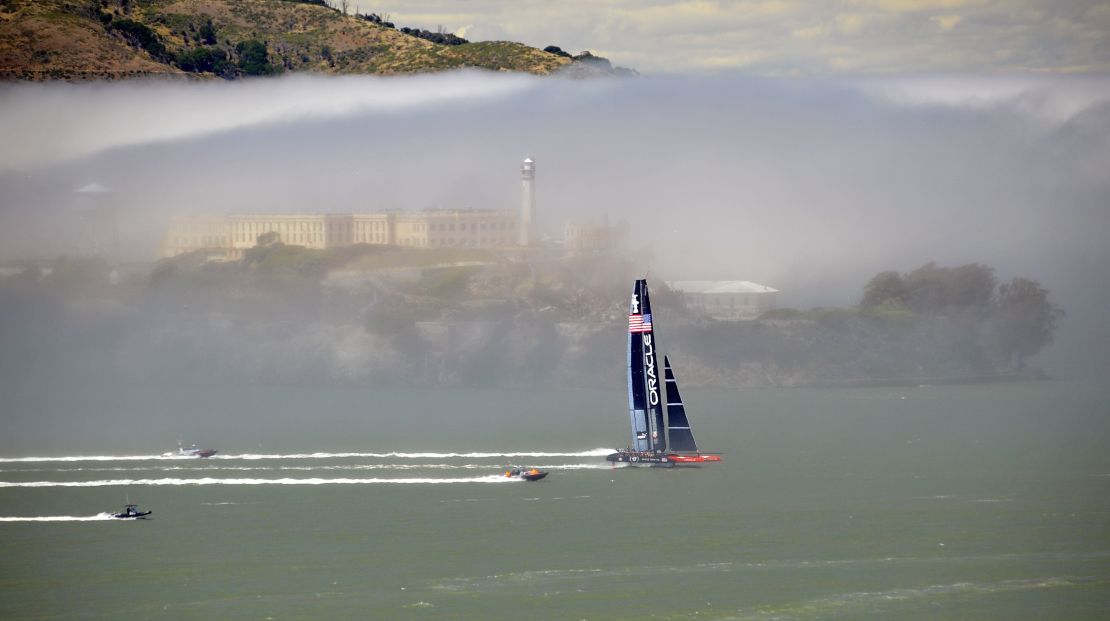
728	300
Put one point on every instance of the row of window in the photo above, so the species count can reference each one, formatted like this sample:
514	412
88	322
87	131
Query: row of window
472	226
314	231
489	242
343	232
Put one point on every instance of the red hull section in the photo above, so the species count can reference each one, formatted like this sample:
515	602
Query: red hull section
693	459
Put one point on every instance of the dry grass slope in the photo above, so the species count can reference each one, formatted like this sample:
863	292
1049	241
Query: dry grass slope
72	39
54	39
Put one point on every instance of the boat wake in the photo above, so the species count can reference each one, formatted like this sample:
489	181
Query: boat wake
597	452
492	478
313	468
547	578
867	603
60	518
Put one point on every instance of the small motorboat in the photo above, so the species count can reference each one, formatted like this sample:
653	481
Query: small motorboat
530	474
131	512
191	451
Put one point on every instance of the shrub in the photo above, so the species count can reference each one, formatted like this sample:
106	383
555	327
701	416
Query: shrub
254	58
442	38
207	33
203	60
142	36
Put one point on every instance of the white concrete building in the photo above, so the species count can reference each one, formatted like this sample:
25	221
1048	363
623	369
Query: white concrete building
431	228
727	300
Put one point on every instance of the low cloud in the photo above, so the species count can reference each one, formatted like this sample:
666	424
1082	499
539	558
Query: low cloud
796	182
809	186
1038	97
86	119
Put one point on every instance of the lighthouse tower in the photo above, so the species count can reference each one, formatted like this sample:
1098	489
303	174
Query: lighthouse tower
527	203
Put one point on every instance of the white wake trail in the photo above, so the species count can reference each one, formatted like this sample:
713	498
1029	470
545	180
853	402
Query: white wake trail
60	518
387	467
15	460
493	478
597	452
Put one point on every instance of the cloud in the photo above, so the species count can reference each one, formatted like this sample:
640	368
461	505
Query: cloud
1037	97
946	22
137	113
791	37
915	6
808	32
852	23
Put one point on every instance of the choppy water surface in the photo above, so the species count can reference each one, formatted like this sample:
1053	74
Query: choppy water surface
931	502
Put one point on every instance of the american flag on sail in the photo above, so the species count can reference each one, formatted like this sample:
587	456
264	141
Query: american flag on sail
639	323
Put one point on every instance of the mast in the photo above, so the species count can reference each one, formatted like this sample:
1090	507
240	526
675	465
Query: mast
678	426
645	400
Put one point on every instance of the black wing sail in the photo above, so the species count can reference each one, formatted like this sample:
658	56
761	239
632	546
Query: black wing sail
644	399
678	426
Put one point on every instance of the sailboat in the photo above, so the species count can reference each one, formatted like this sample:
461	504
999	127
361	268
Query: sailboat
648	398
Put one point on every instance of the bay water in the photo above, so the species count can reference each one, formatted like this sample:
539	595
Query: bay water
931	502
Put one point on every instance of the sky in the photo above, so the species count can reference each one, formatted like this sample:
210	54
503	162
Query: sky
789	37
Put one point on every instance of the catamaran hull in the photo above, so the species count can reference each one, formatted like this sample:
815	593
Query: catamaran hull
638	459
655	459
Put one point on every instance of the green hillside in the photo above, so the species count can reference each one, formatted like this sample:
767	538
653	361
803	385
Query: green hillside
209	39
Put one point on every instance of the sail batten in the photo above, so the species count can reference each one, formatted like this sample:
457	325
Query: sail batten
678	425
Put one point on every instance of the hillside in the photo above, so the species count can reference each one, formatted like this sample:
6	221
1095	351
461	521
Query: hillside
106	39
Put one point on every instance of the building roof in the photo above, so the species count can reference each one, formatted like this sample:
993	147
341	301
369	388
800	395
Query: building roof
719	286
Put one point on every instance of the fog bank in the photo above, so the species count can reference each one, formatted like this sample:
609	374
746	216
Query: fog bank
810	186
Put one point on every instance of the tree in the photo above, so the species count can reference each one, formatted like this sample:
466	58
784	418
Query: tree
207	33
254	59
970	286
885	287
203	60
1023	320
142	36
936	290
556	50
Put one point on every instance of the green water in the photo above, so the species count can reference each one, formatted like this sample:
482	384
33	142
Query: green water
977	502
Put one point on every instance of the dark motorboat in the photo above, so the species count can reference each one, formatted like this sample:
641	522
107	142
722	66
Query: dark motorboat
649	399
131	512
531	474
